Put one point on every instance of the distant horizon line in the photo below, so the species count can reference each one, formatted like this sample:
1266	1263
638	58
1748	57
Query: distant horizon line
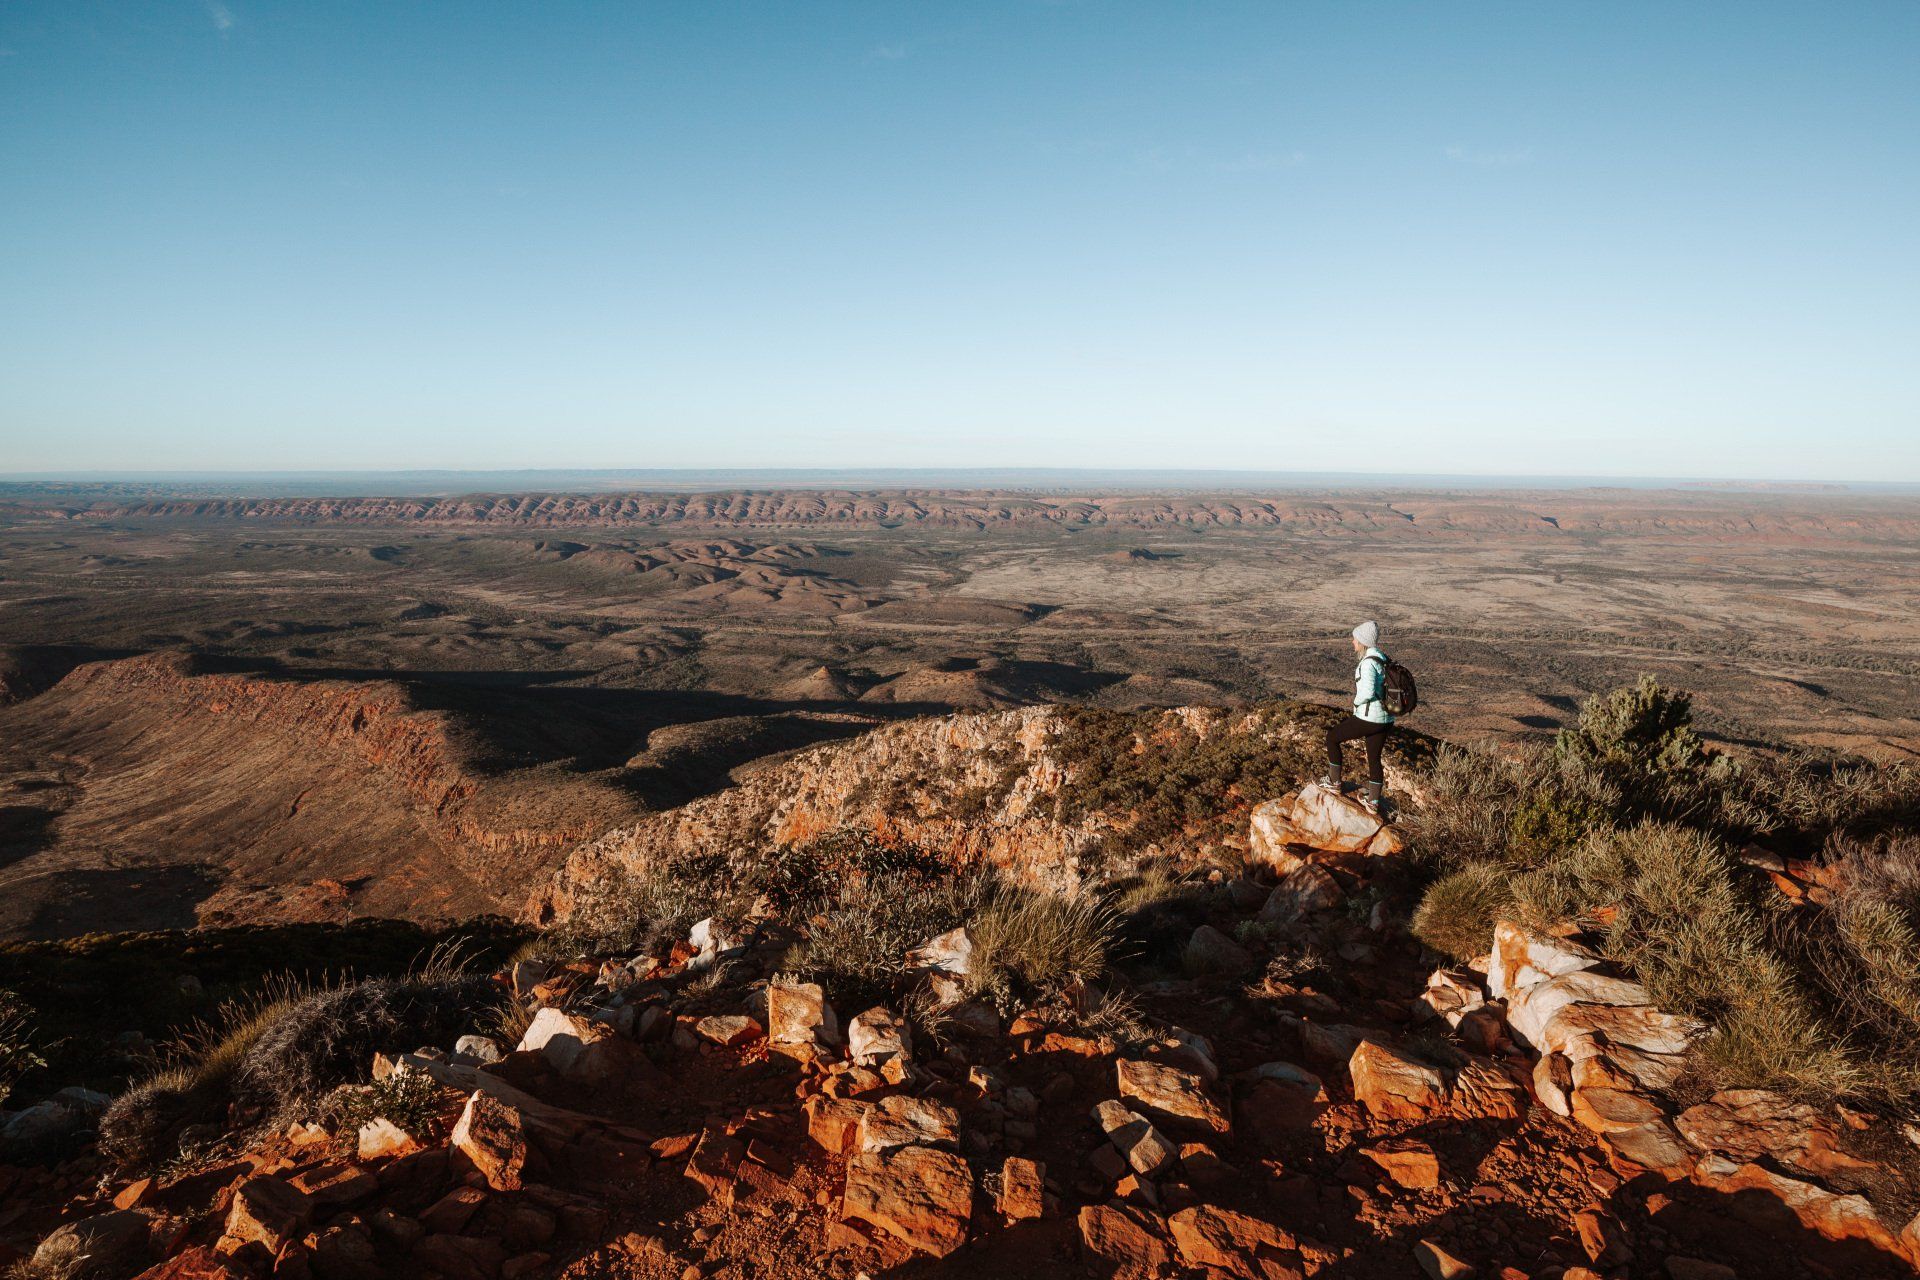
561	479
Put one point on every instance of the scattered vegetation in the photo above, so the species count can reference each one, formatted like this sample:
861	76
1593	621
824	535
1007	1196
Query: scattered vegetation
18	1051
410	1100
649	908
858	935
1627	825
329	1037
89	991
652	907
1172	778
284	1050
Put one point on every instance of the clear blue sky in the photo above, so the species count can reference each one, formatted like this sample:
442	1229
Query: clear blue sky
1622	238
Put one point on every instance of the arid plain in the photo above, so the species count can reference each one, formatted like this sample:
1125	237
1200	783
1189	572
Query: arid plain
549	666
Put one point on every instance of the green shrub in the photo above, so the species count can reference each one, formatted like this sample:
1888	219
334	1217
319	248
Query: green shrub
1516	806
1643	730
1671	905
411	1100
858	936
1807	797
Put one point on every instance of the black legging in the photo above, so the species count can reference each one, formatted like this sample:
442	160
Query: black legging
1354	727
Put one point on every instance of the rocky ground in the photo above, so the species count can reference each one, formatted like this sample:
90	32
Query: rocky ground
694	1113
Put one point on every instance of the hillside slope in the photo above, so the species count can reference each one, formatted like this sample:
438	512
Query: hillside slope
158	792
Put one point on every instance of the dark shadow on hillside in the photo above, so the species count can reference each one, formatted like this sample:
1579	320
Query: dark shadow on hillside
24	831
107	901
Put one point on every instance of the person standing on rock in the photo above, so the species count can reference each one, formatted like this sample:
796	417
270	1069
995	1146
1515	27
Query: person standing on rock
1370	719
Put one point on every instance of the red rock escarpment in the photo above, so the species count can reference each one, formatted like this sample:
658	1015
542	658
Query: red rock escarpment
1554	514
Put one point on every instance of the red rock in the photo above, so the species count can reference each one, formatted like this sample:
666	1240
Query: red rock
798	1013
1333	822
461	1257
266	1211
381	1139
1023	1189
1603	1239
1078	1046
336	1185
1836	1217
489	1133
905	1121
1439	1264
1306	889
1410	1164
917	1194
134	1193
1143	1147
1202	1165
1483	1091
1170	1093
1395	1085
345	1252
1129	1239
1612	1110
674	1146
834	1123
728	1030
714	1163
451	1213
197	1263
1240	1245
1754	1124
1652	1146
522	1265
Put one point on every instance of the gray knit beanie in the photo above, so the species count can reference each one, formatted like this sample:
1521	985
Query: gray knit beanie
1368	634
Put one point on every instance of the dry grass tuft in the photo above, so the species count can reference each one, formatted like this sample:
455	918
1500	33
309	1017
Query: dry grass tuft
1028	943
1457	914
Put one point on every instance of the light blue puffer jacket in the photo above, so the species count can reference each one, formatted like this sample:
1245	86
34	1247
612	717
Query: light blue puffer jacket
1370	688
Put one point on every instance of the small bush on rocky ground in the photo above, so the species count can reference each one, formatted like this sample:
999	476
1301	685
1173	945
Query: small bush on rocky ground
1673	906
1027	943
1457	913
651	907
18	1052
141	1127
1626	826
329	1038
858	936
89	991
283	1051
1865	951
410	1100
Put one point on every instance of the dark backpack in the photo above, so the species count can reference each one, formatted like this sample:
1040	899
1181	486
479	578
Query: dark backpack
1401	695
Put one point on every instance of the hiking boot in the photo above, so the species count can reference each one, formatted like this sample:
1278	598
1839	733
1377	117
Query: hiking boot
1371	799
1332	780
